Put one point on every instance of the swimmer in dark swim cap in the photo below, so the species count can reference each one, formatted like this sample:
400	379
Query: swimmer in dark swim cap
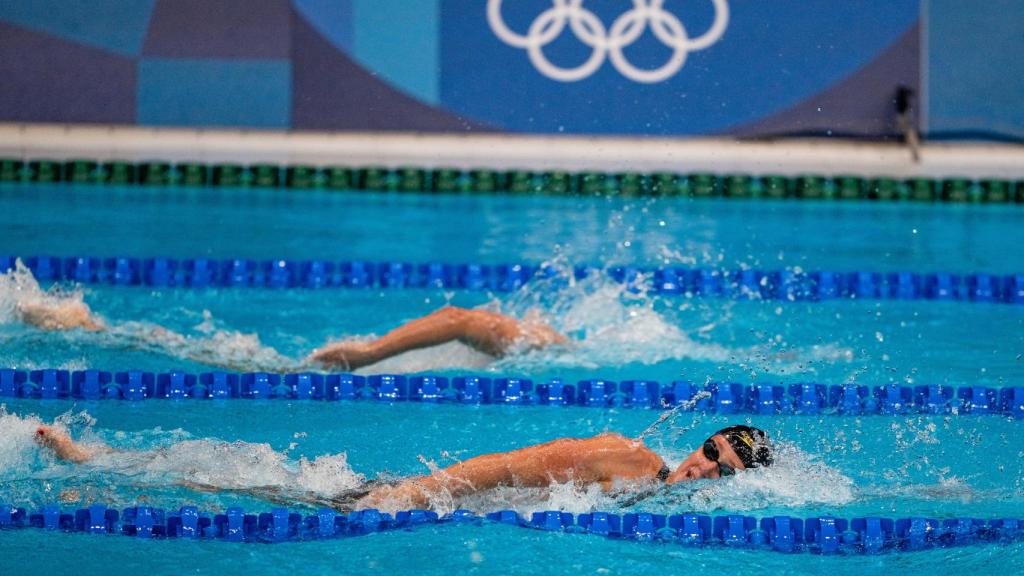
750	446
605	459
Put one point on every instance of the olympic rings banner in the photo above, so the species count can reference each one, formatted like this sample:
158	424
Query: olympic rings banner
627	29
679	67
629	67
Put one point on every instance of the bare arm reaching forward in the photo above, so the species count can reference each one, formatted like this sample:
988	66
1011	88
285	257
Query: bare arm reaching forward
488	332
602	459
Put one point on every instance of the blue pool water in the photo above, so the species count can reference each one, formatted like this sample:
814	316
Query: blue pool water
938	466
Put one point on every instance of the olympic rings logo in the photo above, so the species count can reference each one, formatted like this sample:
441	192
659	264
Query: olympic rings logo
608	43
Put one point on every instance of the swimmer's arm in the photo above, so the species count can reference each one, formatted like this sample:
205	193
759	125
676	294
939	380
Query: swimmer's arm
469	477
601	459
64	447
61	315
488	332
534	466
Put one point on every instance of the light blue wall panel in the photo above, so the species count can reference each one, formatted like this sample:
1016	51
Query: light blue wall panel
975	69
243	93
399	40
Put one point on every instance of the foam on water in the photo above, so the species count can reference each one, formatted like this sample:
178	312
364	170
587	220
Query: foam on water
233	466
567	497
611	323
220	348
169	458
18	451
18	287
796	479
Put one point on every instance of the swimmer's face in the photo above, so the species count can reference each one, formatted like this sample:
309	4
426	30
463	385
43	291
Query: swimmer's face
697	465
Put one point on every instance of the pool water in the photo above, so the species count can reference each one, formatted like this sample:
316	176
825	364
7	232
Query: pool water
894	466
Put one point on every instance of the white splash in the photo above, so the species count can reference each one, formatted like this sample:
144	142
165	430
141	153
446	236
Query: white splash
795	479
18	450
567	497
18	288
235	466
222	348
611	324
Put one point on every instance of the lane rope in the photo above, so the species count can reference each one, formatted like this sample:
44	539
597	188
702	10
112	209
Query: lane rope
714	397
781	285
818	535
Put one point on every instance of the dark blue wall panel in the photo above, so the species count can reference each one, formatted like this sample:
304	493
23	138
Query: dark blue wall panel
678	67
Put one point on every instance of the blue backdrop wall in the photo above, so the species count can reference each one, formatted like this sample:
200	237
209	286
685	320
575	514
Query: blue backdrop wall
658	67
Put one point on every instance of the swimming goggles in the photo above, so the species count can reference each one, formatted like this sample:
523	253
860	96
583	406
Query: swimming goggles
711	453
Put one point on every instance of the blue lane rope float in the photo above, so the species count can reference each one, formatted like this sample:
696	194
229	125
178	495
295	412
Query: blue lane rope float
312	274
715	397
820	535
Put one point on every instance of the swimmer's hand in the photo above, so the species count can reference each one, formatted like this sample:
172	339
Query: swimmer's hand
405	496
62	445
60	315
344	355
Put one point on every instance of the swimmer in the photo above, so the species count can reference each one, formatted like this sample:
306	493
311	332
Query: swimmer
607	460
488	332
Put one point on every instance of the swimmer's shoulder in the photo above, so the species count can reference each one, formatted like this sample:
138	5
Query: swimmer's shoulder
605	441
632	448
616	441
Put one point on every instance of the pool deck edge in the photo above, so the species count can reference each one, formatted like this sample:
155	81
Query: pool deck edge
509	151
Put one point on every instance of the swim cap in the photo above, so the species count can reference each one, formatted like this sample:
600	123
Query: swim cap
750	444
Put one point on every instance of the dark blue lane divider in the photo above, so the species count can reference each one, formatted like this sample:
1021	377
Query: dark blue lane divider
717	397
822	535
751	284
